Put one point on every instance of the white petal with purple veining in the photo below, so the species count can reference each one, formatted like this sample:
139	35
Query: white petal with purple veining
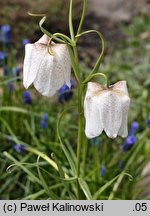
47	72
111	113
121	86
33	57
123	131
93	126
61	51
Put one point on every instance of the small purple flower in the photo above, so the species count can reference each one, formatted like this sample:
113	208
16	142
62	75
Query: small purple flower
45	116
19	148
131	139
6	71
134	127
44	124
3	57
25	41
16	72
44	121
27	98
6	34
129	143
103	170
65	93
10	87
148	122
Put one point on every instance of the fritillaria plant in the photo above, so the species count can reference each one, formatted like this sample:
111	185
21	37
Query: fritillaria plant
48	65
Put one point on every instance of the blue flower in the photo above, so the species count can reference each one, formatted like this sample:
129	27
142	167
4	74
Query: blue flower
45	116
134	127
6	71
3	57
131	139
44	124
6	34
148	122
65	93
19	148
129	143
27	99
44	121
25	41
10	87
103	170
16	72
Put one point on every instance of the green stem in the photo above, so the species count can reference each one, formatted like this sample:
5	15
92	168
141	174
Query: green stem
80	125
79	143
70	22
84	155
82	17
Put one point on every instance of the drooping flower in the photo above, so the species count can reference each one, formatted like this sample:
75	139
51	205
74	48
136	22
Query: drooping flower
65	93
106	109
44	121
6	34
103	170
47	71
27	98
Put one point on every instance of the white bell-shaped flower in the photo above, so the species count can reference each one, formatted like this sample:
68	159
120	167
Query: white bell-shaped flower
106	109
48	72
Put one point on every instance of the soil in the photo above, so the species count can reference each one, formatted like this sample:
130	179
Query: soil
107	16
103	15
118	10
90	45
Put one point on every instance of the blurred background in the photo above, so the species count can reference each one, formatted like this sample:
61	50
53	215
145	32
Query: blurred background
28	120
